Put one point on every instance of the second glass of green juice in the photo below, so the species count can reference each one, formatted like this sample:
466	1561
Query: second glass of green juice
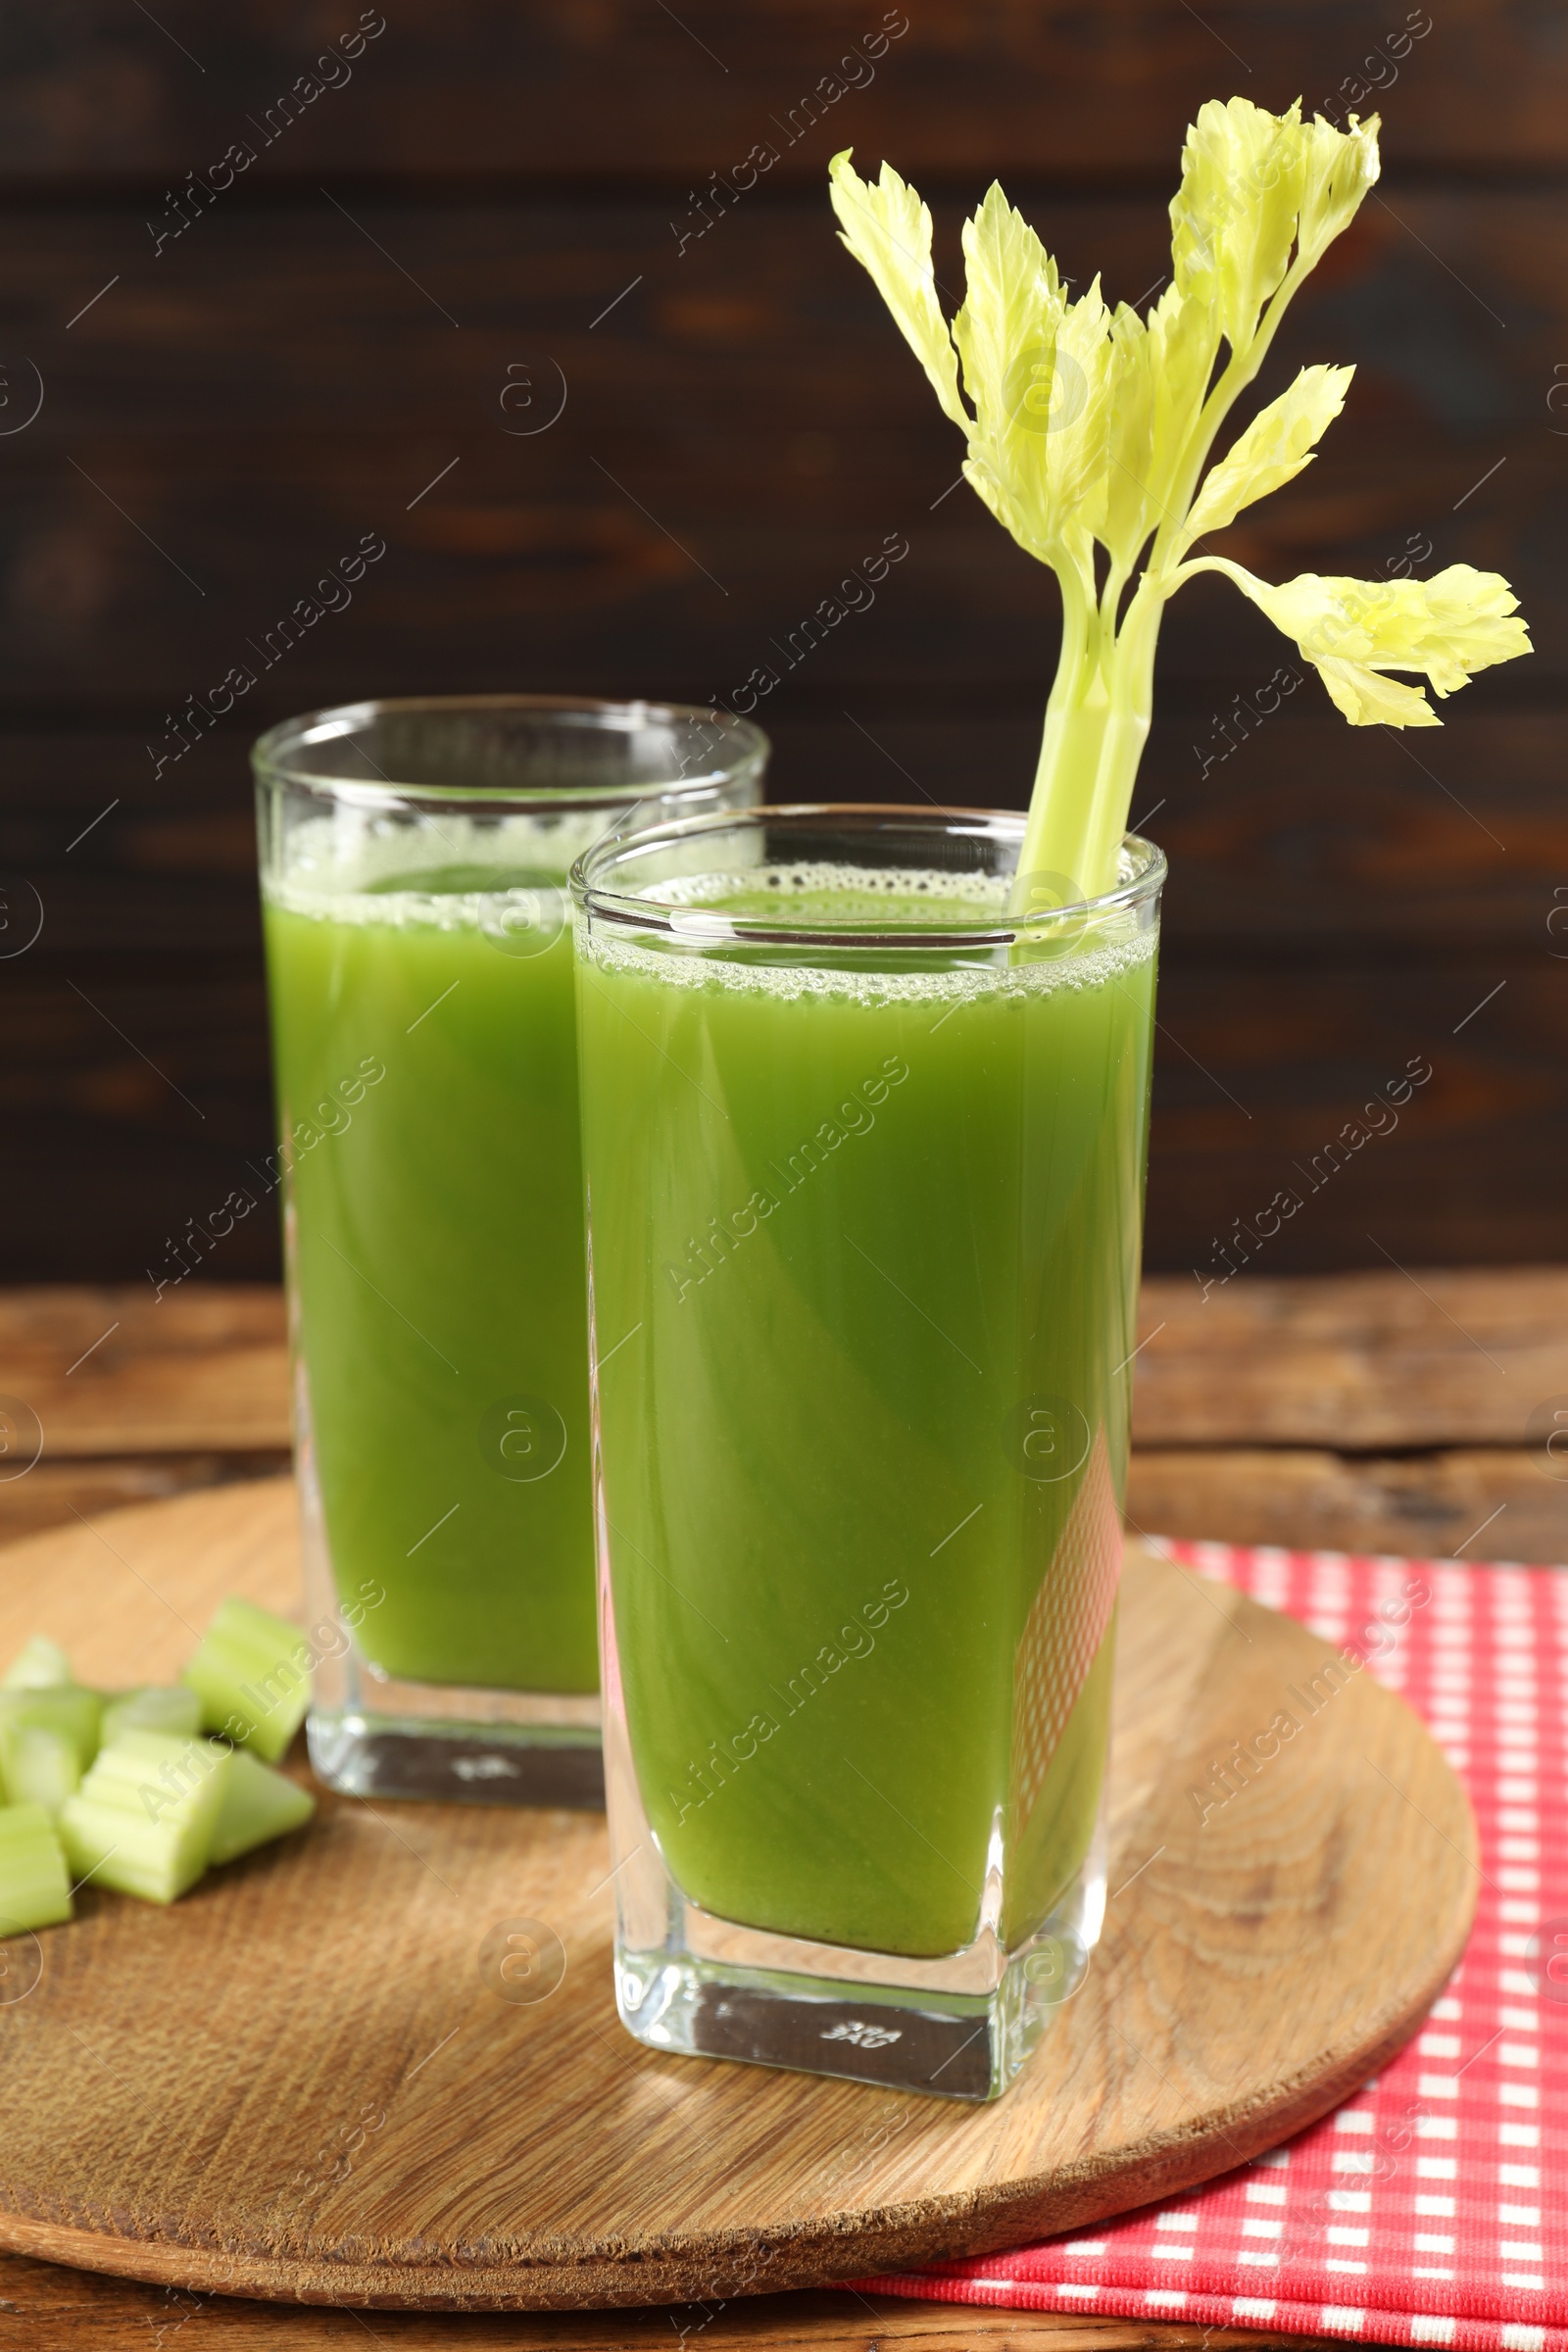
414	857
865	1154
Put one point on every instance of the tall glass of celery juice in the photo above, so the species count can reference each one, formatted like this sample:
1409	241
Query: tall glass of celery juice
414	857
864	1156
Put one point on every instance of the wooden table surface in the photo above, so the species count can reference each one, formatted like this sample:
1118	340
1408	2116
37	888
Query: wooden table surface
1400	1411
1375	1413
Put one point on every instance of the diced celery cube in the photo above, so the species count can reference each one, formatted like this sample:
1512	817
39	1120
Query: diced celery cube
259	1803
41	1768
252	1672
34	1885
62	1708
144	1817
158	1707
39	1665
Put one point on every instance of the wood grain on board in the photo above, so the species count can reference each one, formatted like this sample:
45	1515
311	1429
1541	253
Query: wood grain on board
337	2115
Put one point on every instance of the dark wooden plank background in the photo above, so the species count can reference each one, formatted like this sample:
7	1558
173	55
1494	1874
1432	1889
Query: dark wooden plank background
230	413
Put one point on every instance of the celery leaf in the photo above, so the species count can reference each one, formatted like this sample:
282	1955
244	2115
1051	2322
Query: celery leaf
1449	627
1368	699
1233	218
888	229
1275	447
1092	429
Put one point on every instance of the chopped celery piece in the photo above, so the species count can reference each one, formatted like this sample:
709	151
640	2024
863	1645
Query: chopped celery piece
252	1673
62	1708
259	1803
144	1817
158	1707
34	1887
41	1768
39	1665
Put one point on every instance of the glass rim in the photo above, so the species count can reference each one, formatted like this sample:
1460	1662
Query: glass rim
275	756
699	925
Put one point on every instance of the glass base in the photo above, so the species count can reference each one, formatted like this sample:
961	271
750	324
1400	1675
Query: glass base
957	2027
373	1735
461	1764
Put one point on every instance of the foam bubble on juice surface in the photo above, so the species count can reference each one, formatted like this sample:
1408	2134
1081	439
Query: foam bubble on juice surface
838	896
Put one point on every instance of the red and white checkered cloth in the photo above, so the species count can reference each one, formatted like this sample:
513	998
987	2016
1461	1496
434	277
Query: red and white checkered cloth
1433	2207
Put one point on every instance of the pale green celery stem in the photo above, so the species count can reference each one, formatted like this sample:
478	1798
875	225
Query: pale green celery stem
1098	718
1097	724
1238	371
1194	564
1074	719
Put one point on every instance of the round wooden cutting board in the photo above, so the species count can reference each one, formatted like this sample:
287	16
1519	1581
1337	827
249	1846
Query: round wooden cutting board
309	2079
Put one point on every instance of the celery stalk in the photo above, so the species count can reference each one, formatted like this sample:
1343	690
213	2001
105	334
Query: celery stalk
156	1707
34	1886
39	1665
41	1768
259	1804
1089	431
64	1709
252	1673
144	1818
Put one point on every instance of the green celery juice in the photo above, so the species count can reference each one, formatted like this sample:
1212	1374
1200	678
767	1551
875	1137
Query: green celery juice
864	1258
424	1040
